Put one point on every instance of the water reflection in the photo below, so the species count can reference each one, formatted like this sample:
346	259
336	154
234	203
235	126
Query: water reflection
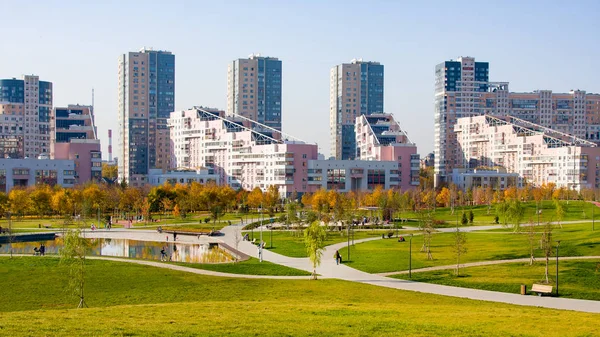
178	252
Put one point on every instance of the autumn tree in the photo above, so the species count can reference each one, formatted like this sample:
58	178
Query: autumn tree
19	201
255	198
443	198
109	172
271	199
41	200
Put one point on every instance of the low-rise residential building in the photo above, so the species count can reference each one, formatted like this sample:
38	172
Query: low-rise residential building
182	176
352	175
537	154
380	138
497	179
29	172
74	137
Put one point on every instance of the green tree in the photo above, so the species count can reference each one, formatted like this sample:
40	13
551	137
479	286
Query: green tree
459	248
314	240
72	255
464	219
560	211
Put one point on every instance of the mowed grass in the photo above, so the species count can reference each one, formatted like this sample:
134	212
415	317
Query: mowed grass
135	300
577	279
251	266
574	210
388	255
291	243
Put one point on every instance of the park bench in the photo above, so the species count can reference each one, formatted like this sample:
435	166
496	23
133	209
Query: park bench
541	289
3	230
48	226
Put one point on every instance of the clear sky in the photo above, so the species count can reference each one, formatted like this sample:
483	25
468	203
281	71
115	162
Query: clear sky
75	44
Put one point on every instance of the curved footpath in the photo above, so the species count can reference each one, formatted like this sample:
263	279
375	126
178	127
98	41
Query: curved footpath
329	269
484	263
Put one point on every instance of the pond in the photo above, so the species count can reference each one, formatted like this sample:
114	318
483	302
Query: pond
147	250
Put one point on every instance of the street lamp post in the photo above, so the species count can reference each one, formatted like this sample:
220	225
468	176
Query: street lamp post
557	245
348	230
410	256
260	245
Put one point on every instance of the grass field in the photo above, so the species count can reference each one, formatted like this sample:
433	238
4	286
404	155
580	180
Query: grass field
389	255
251	266
577	279
133	300
291	243
574	210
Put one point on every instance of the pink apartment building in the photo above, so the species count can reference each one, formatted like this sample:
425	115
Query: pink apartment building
73	136
242	153
380	138
537	154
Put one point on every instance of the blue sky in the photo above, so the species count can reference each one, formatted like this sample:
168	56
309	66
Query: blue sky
75	44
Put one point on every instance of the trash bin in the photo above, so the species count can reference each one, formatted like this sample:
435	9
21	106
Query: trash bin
523	289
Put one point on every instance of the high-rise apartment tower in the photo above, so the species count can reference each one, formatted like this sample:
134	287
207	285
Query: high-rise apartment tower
146	99
254	89
25	113
354	89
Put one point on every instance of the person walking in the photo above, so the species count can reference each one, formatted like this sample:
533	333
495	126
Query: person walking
338	257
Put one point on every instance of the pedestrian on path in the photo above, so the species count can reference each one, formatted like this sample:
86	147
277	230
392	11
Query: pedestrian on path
338	257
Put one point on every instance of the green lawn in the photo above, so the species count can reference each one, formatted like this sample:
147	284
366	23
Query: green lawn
574	210
291	243
577	279
135	300
251	266
389	255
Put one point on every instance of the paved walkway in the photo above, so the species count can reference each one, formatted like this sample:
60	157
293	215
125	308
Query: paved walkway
485	263
329	269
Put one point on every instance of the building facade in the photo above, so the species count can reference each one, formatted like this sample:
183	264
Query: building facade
22	173
158	177
74	137
146	99
458	87
254	89
354	89
537	154
25	112
241	153
352	175
463	89
380	138
497	179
